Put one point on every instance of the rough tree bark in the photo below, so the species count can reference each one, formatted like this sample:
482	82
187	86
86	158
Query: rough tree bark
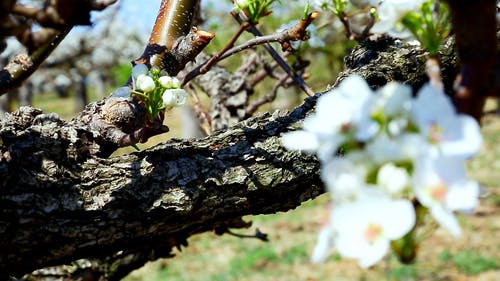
64	202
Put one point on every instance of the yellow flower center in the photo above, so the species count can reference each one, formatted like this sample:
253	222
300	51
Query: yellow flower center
438	192
435	133
373	232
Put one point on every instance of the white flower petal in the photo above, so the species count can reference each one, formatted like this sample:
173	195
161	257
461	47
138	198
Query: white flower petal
365	226
465	139
324	245
383	149
374	253
139	69
395	99
398	218
300	140
430	106
447	220
463	197
344	179
169	82
411	146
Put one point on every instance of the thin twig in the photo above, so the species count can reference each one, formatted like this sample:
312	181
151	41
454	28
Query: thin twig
268	70
229	45
269	97
259	235
18	70
295	33
200	111
281	62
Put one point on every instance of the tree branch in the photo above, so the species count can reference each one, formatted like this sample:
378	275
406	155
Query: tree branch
57	208
61	202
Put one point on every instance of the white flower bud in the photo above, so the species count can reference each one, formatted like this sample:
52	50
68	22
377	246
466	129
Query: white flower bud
174	97
145	83
169	82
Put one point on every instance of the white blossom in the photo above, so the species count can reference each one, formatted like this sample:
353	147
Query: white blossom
390	12
374	147
394	99
440	184
364	228
338	114
144	83
383	149
453	134
324	244
169	82
344	178
139	69
174	97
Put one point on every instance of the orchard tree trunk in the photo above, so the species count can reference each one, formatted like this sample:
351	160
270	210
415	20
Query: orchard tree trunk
64	202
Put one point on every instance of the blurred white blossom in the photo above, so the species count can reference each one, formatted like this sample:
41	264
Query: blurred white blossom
380	149
392	179
338	113
365	227
390	12
453	134
440	184
324	245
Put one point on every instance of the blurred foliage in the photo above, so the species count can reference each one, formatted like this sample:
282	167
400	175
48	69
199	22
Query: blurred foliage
120	73
473	263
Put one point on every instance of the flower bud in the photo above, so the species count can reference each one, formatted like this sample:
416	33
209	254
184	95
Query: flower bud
169	82
145	83
174	97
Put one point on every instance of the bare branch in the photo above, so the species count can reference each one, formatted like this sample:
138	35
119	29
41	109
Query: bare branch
269	97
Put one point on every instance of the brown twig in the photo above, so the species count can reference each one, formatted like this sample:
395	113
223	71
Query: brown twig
174	20
434	73
298	32
22	66
200	110
281	62
206	66
269	97
57	18
268	70
349	32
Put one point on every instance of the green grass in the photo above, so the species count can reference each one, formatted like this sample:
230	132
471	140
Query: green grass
403	272
473	263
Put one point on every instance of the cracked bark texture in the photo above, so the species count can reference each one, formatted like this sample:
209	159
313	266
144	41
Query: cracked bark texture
228	93
64	204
